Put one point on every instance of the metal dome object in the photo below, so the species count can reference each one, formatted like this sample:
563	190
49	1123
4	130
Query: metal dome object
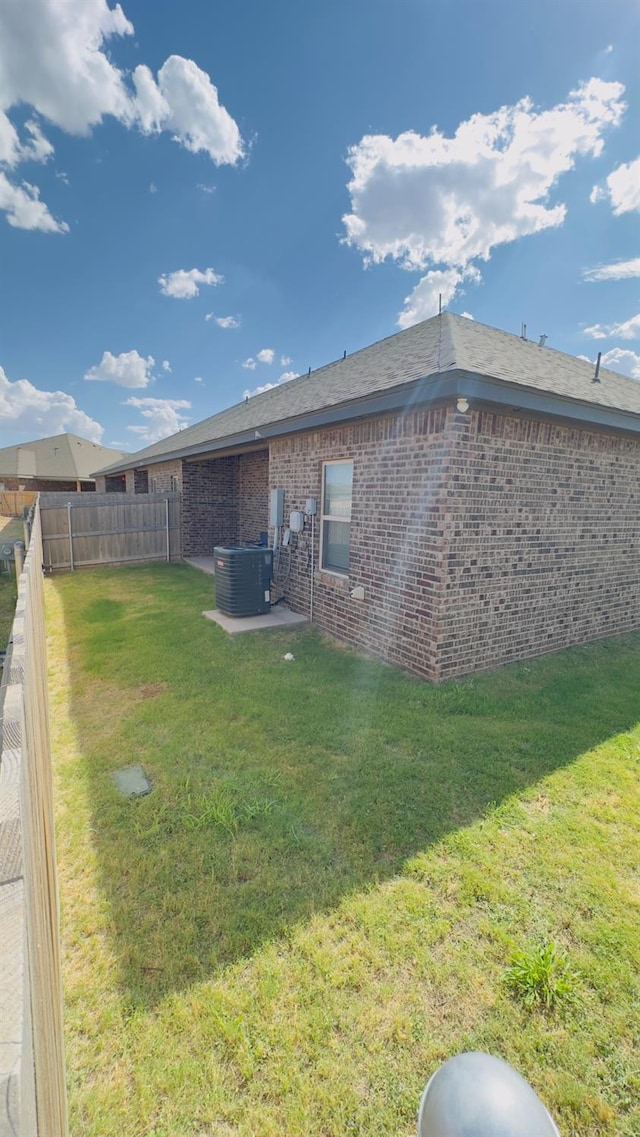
477	1095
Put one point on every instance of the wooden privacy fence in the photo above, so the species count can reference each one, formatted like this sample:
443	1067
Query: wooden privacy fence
14	502
32	1079
81	529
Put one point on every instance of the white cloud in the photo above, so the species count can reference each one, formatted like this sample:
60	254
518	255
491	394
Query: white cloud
622	188
467	315
153	187
432	199
627	330
622	359
184	284
162	417
429	200
24	407
55	56
127	369
266	355
285	360
224	321
286	377
619	270
63	177
205	188
166	366
198	379
185	101
423	301
249	363
24	209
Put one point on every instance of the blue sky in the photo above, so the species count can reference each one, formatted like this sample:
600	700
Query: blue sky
359	157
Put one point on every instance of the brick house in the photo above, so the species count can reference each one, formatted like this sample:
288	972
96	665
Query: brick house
61	462
478	495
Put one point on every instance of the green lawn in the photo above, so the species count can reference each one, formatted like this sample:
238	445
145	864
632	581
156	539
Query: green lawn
318	902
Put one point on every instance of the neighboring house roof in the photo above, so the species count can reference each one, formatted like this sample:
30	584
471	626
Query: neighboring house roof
407	368
63	457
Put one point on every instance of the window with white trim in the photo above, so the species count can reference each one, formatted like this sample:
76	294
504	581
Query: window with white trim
335	521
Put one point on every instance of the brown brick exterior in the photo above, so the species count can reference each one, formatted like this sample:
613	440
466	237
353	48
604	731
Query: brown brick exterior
253	495
542	539
209	505
44	485
396	549
161	474
478	538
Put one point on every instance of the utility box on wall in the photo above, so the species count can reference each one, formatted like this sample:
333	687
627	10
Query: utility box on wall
276	508
243	580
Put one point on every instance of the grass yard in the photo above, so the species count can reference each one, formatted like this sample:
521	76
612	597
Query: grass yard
10	530
319	901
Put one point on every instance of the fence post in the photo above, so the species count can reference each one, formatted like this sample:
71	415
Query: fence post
18	554
70	535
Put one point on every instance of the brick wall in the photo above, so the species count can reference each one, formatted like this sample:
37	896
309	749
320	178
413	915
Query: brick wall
161	475
396	546
479	539
543	537
209	505
253	495
44	485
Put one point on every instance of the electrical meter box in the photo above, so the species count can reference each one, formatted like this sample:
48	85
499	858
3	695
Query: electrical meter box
296	521
276	508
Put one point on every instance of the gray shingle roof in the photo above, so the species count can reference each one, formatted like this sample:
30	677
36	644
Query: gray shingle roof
433	347
63	457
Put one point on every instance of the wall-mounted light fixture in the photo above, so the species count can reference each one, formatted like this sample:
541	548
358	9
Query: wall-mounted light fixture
462	405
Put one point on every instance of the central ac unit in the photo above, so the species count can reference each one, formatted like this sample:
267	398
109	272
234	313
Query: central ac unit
243	580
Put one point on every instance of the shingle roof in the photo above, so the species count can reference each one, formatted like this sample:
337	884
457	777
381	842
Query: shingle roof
433	347
63	457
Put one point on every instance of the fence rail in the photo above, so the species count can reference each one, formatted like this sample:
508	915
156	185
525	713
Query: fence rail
110	528
32	1077
14	502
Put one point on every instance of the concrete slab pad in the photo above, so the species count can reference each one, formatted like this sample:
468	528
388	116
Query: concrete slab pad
132	781
277	618
205	564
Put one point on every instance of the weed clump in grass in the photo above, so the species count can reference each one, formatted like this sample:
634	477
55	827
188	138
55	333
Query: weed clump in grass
541	976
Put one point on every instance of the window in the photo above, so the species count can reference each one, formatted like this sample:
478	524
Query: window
337	481
175	485
153	485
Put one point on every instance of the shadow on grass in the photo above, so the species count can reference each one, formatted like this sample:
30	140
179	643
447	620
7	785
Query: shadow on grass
280	787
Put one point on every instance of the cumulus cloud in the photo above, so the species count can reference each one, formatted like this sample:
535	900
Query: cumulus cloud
430	200
622	188
425	298
26	408
166	366
622	359
266	355
162	417
127	369
224	321
185	101
55	56
249	363
619	270
184	284
23	207
285	360
467	315
627	330
198	379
